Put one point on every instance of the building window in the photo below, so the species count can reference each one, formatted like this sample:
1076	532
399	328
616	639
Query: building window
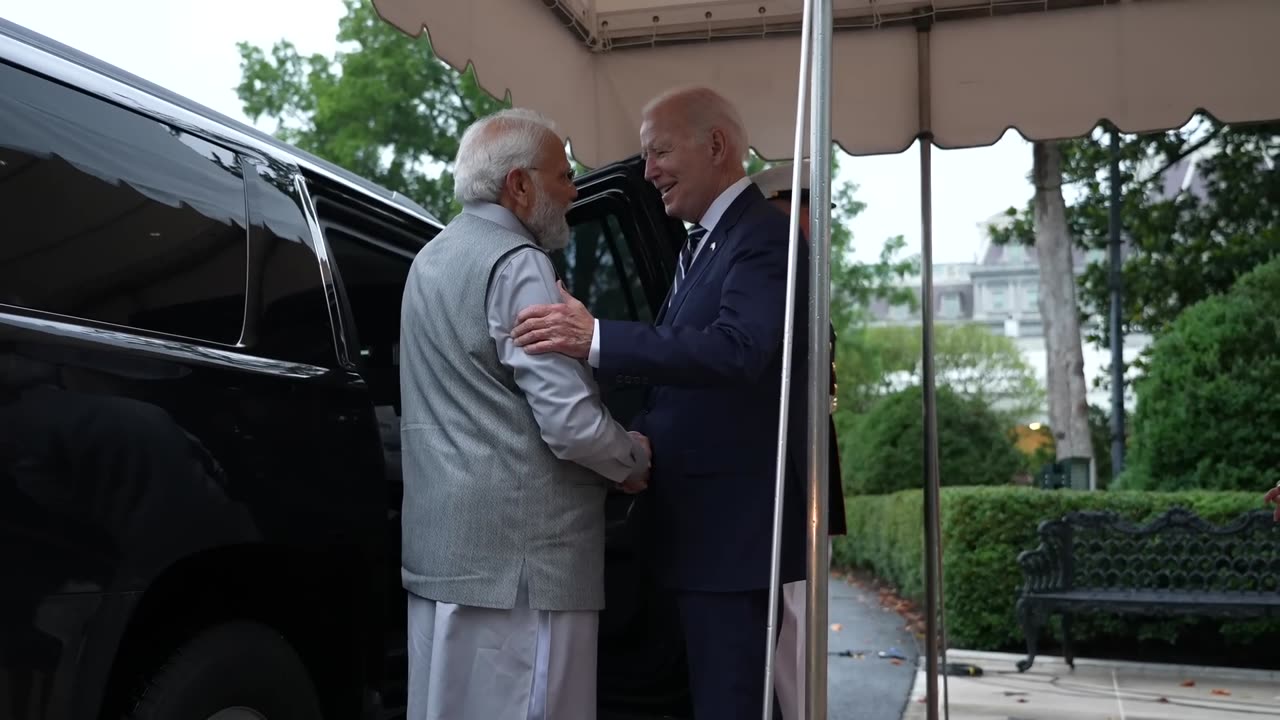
1031	297
950	305
996	301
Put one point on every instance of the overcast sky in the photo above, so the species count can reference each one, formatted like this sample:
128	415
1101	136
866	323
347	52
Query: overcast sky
190	48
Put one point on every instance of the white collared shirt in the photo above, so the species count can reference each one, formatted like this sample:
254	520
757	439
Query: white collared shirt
717	209
709	220
495	213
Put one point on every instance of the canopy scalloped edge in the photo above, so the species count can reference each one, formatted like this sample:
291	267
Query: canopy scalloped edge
1152	65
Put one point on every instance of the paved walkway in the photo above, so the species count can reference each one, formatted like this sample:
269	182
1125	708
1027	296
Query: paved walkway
862	685
1101	690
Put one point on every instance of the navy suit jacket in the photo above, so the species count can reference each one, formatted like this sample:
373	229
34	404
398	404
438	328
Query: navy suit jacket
714	361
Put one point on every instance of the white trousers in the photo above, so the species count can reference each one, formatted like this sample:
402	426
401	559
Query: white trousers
788	666
469	663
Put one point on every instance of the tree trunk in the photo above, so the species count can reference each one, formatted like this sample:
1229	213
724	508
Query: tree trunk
1068	406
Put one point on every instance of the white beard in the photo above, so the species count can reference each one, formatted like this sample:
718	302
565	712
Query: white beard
548	223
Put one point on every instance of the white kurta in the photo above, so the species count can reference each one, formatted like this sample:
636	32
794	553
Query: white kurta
473	663
469	663
788	667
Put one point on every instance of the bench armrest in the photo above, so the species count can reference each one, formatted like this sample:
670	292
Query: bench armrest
1041	570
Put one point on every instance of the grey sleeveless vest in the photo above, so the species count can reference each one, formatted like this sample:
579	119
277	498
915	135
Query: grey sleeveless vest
484	497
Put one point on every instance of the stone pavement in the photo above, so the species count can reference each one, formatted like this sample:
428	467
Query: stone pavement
1101	690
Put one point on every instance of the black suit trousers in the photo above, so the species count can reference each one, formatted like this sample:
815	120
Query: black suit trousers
725	640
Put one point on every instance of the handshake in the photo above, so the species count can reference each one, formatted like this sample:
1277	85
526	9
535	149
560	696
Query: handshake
638	481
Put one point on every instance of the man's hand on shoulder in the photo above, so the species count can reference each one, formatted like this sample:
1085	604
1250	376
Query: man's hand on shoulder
565	327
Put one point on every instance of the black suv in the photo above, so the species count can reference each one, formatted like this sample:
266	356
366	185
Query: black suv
199	435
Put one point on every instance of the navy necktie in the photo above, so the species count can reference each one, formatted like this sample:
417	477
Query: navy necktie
696	234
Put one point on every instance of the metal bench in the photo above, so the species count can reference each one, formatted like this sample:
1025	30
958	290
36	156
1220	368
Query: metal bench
1178	565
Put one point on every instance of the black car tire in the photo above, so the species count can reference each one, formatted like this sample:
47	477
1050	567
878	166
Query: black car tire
237	670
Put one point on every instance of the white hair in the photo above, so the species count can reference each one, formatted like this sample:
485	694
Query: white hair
494	146
705	110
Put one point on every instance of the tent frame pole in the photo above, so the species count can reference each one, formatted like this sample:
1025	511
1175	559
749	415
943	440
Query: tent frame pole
788	335
819	365
934	632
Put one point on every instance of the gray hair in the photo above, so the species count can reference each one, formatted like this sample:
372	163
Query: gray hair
494	146
705	110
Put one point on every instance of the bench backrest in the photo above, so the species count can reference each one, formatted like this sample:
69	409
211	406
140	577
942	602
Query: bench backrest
1177	551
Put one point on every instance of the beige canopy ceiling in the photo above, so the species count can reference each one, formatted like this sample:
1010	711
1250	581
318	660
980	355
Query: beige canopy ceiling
1050	68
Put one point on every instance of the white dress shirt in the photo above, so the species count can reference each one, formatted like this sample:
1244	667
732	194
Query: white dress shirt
709	220
563	395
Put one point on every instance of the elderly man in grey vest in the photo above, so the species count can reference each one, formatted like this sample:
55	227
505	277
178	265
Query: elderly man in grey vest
507	455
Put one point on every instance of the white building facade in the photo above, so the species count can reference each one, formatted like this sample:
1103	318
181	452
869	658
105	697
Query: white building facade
1001	293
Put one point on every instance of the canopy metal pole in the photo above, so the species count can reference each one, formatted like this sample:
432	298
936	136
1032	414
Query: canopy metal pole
788	335
819	364
932	530
1115	279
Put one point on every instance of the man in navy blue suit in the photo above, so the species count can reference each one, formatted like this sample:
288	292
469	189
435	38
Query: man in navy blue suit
713	359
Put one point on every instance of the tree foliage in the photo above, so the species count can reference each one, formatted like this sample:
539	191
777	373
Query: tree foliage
383	107
853	284
887	452
1208	415
1185	244
969	359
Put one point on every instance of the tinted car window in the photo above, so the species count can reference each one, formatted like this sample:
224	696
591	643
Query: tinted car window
373	280
598	268
114	217
289	310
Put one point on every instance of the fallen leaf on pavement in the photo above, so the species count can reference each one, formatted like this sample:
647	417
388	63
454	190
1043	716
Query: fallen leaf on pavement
1215	691
1188	683
1021	700
1162	699
895	662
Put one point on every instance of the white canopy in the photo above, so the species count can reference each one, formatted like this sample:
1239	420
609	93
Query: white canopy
1050	68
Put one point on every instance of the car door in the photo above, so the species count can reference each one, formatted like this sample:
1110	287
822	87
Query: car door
619	263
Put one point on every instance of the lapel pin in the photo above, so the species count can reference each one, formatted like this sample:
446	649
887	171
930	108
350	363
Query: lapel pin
713	247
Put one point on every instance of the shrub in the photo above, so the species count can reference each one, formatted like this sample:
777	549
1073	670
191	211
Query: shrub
983	530
1208	415
887	448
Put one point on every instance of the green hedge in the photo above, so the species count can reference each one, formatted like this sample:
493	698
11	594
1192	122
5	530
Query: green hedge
983	530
